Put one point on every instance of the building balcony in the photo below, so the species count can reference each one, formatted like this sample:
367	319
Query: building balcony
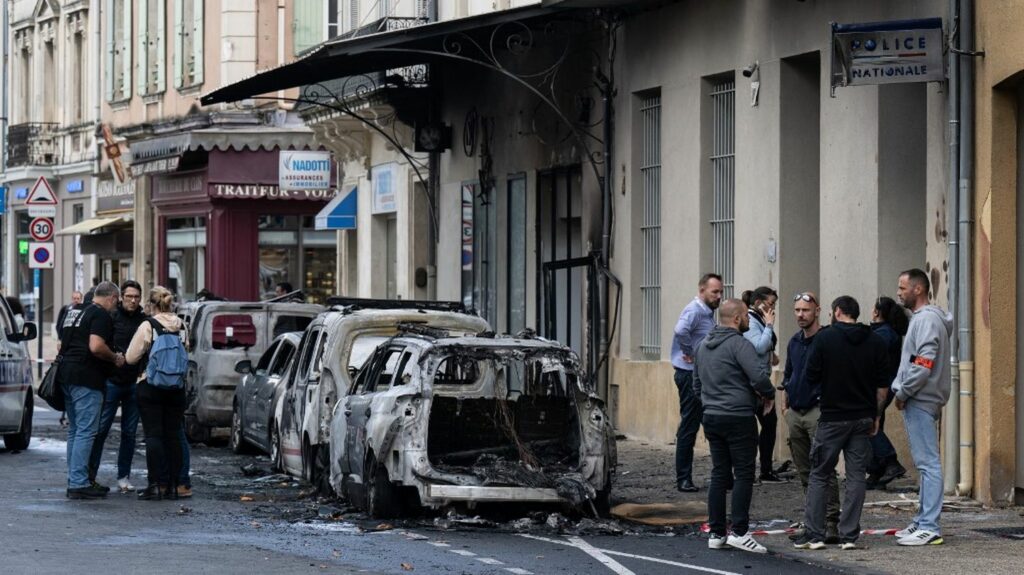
33	144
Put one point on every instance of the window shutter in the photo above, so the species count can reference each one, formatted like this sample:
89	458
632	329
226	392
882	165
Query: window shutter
126	49
197	42
179	43
142	58
308	25
160	45
111	46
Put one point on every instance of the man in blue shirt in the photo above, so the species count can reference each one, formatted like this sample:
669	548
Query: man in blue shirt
696	321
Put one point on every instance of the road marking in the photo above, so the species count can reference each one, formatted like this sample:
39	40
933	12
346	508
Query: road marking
489	561
518	571
437	544
597	554
463	552
634	556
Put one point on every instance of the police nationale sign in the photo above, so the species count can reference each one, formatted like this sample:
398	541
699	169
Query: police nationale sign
887	52
304	170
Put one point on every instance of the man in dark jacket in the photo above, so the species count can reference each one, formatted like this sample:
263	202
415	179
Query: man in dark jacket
731	383
120	389
847	360
76	299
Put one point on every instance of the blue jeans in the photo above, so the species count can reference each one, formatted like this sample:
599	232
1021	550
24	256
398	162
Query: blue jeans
690	413
924	447
83	409
122	396
186	459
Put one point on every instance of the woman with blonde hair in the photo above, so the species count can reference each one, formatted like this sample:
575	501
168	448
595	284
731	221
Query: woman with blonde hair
158	345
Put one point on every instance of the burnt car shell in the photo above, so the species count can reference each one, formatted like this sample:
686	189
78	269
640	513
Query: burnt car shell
473	420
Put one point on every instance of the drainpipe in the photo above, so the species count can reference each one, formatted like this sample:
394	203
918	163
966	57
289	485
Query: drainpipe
965	217
951	417
608	94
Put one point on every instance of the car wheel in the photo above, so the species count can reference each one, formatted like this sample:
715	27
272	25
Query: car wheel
382	497
19	441
321	470
195	431
276	462
237	442
603	499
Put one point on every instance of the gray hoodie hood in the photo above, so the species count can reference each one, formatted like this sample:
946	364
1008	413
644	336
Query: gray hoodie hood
728	376
923	376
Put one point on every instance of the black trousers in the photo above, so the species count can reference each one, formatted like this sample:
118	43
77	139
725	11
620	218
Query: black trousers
690	413
162	412
733	442
766	440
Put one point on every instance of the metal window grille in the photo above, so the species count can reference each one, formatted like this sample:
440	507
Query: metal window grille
650	229
723	162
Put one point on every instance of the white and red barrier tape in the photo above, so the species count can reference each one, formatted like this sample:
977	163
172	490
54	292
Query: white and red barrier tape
705	528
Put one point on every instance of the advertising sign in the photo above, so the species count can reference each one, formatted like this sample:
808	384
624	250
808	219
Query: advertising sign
304	170
891	52
384	193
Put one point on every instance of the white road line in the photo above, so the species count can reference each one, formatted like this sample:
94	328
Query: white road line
641	557
463	552
437	544
518	571
489	561
597	554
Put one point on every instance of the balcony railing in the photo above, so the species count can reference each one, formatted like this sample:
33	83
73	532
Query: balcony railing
33	144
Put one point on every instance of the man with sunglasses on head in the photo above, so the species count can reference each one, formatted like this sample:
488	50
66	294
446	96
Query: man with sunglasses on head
801	408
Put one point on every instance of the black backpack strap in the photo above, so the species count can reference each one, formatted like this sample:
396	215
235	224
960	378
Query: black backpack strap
158	328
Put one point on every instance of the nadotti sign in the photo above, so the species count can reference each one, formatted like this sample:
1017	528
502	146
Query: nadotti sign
304	170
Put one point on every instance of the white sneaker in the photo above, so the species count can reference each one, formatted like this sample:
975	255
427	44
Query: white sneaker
921	537
850	546
745	543
124	485
906	532
716	542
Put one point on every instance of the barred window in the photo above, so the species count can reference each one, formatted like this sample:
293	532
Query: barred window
650	227
723	163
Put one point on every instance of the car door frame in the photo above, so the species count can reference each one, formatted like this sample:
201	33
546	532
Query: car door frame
266	393
359	403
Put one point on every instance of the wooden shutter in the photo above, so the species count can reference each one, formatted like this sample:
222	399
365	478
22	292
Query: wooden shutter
142	58
197	41
111	46
179	43
160	45
126	48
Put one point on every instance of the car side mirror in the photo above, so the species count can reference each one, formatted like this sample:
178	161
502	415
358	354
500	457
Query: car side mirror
244	367
353	371
28	333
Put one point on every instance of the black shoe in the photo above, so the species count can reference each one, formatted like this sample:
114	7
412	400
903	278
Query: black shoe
872	481
151	493
771	477
93	484
892	471
170	493
687	486
89	492
808	542
832	534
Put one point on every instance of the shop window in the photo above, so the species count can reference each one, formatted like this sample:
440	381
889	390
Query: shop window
231	331
292	251
186	256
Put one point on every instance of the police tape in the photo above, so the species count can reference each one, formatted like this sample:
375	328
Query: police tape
705	528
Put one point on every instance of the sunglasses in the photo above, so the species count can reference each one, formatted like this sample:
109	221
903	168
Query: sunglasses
805	297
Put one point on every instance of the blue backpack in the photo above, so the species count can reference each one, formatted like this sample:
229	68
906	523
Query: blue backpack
168	360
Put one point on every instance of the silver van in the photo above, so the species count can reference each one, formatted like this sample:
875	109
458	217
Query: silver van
16	401
222	333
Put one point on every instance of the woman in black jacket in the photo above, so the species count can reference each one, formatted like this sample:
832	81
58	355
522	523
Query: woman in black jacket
890	322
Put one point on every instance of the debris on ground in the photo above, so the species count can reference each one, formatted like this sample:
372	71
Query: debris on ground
250	470
183	510
407	567
556	521
660	514
275	478
588	526
247	498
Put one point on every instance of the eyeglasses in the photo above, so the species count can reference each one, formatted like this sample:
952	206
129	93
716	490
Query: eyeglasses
805	297
131	297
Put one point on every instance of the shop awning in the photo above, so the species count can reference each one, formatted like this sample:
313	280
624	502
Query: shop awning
161	154
340	213
89	226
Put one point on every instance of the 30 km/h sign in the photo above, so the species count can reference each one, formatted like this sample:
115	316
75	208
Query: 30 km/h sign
41	229
40	255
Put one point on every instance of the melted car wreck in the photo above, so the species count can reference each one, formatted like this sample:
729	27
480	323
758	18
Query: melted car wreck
433	420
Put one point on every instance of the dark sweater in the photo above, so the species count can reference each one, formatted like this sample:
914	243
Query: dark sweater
125	326
799	394
849	362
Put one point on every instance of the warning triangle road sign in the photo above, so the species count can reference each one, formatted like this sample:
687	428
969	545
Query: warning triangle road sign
42	194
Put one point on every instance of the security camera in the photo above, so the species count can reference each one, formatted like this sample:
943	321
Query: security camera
749	70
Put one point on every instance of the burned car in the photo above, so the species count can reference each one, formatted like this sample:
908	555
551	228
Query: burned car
440	420
333	348
257	395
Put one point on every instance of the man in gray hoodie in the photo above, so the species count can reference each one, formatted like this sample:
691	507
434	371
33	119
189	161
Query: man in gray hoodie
922	389
732	384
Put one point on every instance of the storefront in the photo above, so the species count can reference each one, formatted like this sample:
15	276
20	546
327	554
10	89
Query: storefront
223	224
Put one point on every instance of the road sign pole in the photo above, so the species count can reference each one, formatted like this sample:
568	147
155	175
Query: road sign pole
37	280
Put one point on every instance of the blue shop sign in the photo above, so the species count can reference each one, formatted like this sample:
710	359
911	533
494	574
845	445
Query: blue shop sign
74	186
3	200
21	193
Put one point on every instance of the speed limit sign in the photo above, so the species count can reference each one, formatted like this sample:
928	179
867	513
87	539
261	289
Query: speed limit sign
41	229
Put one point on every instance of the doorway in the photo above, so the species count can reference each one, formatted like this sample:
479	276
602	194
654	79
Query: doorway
559	238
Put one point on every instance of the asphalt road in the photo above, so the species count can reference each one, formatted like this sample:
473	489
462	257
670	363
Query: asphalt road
236	524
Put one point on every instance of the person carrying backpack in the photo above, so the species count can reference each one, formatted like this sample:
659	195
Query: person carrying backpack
159	344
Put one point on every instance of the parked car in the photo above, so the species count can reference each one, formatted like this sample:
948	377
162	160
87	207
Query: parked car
16	401
333	348
222	333
252	416
432	421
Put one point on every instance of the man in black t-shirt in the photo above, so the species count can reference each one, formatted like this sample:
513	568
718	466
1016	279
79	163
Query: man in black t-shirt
86	362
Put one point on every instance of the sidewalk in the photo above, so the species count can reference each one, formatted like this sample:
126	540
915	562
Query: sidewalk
646	474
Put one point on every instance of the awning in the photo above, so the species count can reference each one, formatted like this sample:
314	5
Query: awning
89	226
340	213
162	153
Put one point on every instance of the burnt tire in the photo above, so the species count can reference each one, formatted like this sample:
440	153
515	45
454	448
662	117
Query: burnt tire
196	432
321	471
383	499
276	458
236	441
19	441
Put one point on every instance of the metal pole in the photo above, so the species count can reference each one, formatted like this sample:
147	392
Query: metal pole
608	93
951	427
37	277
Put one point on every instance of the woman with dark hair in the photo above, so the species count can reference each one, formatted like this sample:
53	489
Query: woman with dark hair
890	322
761	303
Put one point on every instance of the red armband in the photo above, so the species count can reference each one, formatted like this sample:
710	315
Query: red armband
923	362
